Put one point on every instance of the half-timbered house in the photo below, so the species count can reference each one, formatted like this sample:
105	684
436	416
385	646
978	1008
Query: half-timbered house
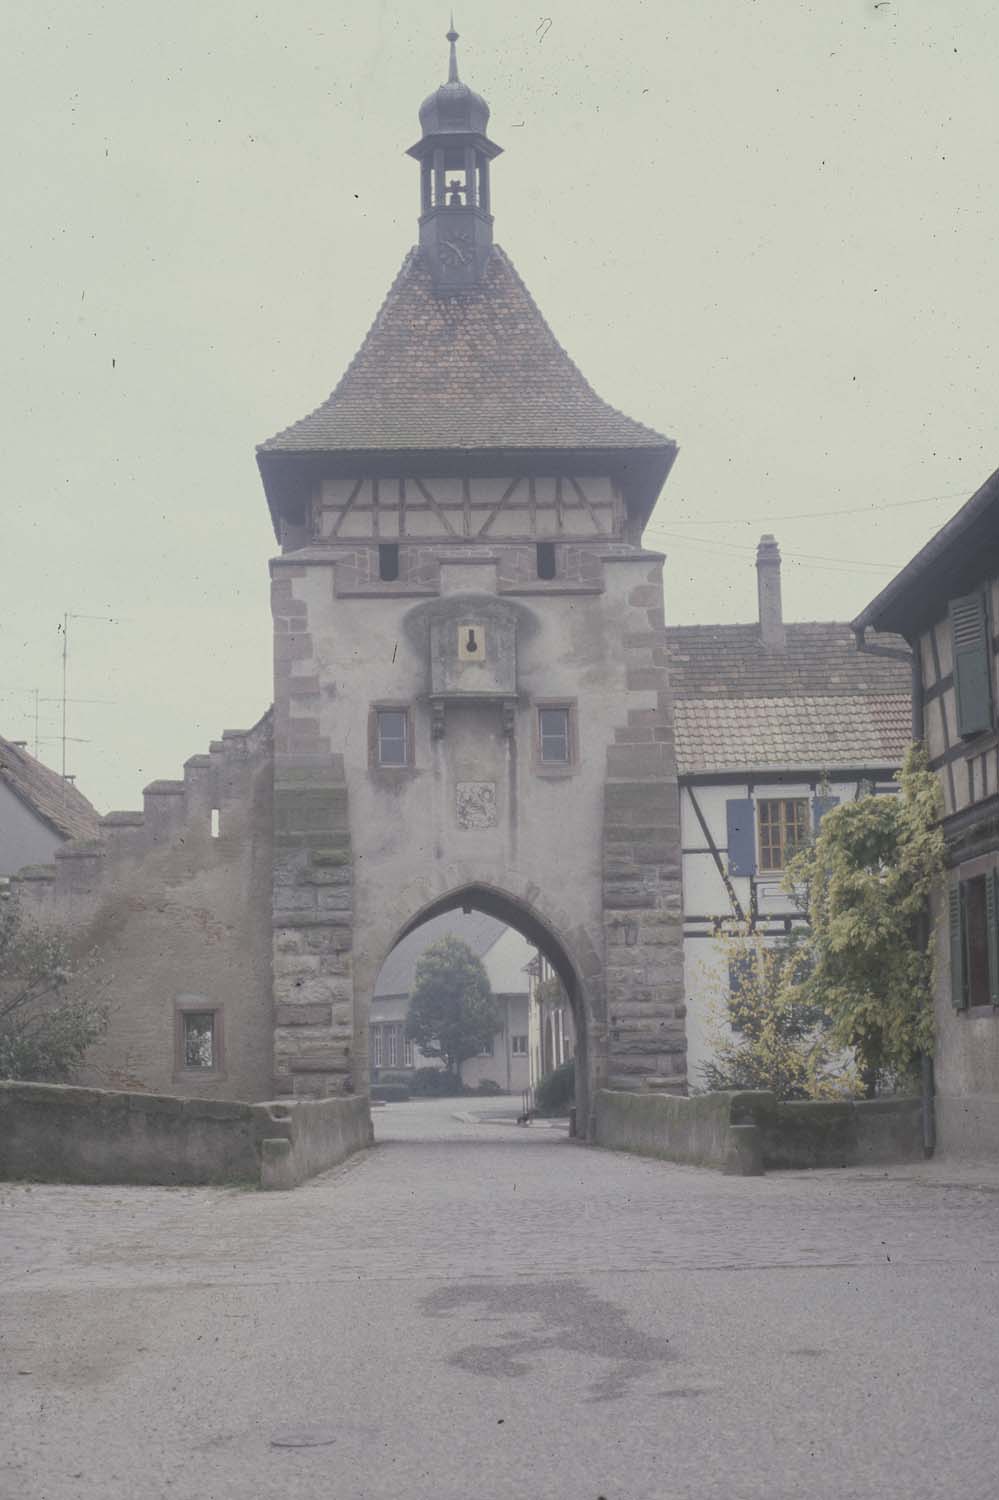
946	604
775	724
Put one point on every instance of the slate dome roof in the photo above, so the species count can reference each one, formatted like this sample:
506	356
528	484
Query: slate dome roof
454	108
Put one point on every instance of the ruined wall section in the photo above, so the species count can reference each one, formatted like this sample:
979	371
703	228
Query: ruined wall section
175	899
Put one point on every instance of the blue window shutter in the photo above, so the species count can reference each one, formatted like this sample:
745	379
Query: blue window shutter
741	840
820	807
969	624
958	965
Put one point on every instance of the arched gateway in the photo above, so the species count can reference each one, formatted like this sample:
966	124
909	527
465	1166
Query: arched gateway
470	702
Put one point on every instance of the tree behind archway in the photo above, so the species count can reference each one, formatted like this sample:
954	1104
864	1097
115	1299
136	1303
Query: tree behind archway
452	1012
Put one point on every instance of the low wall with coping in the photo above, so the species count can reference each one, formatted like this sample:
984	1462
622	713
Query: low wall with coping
747	1132
60	1133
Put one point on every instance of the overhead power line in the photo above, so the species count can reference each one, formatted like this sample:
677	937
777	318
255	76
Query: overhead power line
811	515
839	563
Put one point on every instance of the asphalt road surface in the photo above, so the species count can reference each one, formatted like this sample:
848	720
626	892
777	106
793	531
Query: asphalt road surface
476	1311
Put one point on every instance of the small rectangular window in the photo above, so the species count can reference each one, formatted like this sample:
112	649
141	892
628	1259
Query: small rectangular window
393	737
388	561
199	1044
783	823
216	824
518	1046
487	1050
408	1060
546	560
553	727
376	1046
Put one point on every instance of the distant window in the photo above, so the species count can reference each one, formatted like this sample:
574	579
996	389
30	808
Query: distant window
553	728
393	737
376	1046
199	1039
216	823
546	560
487	1050
518	1046
783	823
388	561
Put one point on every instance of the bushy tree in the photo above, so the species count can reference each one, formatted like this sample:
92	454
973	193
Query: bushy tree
46	1025
452	1013
769	1033
866	881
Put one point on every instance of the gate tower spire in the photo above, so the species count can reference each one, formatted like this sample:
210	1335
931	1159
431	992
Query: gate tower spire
454	152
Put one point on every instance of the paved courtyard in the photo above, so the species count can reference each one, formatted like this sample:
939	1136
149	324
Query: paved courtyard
475	1310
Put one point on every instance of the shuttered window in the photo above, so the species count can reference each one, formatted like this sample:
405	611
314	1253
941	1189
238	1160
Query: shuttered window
974	941
740	835
820	807
969	623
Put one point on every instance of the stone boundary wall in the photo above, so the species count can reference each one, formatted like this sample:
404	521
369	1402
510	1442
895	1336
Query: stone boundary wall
745	1133
60	1133
173	814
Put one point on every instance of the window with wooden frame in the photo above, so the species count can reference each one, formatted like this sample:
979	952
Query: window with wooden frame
969	624
783	829
556	735
974	942
198	1038
390	735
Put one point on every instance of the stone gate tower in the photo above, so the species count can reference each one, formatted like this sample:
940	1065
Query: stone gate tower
470	696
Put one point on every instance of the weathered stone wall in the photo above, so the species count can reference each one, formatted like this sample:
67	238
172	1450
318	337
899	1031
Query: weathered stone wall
585	857
749	1131
643	919
178	917
51	1133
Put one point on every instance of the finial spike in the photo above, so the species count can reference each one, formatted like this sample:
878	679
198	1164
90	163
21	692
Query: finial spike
452	72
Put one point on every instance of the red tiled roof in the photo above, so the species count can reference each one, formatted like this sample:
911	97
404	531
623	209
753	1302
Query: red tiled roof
54	800
818	704
477	371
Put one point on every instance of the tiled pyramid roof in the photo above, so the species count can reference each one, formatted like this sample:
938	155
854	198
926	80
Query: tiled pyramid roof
477	371
54	800
818	704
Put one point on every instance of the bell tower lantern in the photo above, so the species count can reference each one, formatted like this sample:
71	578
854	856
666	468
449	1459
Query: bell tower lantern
454	152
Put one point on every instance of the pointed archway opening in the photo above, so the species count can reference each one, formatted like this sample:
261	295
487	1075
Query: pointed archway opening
516	914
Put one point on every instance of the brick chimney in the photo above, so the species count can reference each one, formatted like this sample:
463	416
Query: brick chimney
768	590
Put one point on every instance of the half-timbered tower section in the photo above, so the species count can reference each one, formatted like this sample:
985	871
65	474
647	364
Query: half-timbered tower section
775	724
946	604
470	686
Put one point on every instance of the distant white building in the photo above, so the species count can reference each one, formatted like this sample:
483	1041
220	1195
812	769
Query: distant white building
39	810
505	956
775	724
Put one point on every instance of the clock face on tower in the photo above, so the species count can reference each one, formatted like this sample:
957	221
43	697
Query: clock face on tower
456	250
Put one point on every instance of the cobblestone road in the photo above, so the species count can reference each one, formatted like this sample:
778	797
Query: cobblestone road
472	1309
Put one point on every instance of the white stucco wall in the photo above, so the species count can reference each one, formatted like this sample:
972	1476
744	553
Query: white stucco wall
24	838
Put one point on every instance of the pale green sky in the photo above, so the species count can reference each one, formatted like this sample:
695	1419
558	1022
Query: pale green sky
767	229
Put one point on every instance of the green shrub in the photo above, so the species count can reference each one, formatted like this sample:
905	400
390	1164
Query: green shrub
389	1093
488	1086
436	1083
401	1080
557	1090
